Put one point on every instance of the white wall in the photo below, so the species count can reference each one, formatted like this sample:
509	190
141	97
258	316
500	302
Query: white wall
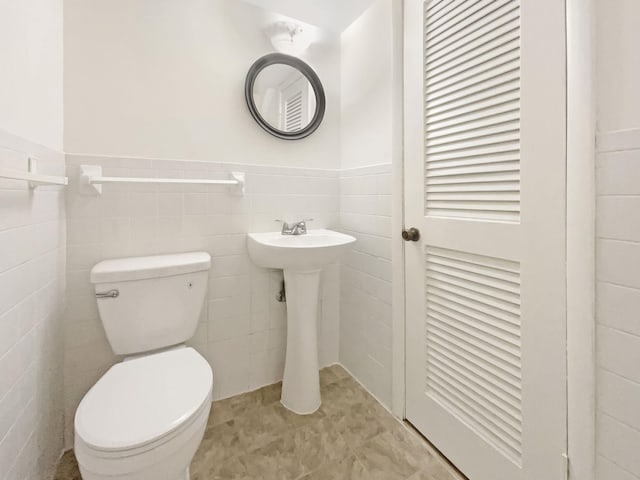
242	330
618	241
31	66
618	64
366	79
365	293
32	246
335	15
165	79
32	241
367	153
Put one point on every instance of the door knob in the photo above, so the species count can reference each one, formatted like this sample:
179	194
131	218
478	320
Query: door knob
411	235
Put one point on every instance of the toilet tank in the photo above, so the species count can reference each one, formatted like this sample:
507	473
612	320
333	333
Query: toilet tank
147	303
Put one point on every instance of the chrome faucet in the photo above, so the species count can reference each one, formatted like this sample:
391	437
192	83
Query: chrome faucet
298	228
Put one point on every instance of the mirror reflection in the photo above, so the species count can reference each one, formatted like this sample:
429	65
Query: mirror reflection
284	97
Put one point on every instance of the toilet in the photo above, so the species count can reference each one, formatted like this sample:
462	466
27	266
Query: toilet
145	417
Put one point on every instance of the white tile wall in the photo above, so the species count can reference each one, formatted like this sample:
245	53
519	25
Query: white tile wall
242	328
365	295
618	307
32	255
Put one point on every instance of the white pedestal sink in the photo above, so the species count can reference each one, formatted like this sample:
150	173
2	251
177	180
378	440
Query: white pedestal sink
302	258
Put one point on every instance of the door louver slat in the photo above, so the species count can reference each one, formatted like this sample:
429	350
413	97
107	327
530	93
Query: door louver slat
455	21
469	49
473	323
498	177
473	343
472	110
492	377
434	7
438	23
479	402
473	119
495	20
507	403
494	49
503	357
483	427
497	320
508	317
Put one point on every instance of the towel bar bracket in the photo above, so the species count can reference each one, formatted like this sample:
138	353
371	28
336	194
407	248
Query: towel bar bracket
32	176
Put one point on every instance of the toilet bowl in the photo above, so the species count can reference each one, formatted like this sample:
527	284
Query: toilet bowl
145	417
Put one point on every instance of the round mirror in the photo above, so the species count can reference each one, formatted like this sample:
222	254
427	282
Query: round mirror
285	96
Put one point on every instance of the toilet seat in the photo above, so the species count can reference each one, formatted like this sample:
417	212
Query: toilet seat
144	402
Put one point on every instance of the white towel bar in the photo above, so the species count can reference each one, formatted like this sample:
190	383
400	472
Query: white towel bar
176	181
32	176
91	180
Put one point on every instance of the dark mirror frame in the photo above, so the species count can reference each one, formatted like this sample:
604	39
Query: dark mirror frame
307	71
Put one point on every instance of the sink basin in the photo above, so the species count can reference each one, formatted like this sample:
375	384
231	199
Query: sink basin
302	258
310	251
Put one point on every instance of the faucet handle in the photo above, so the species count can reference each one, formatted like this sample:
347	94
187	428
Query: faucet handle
285	226
301	226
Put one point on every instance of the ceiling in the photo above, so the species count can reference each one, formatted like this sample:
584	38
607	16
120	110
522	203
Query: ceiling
333	15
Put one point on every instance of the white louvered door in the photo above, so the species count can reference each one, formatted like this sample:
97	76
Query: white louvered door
485	185
295	105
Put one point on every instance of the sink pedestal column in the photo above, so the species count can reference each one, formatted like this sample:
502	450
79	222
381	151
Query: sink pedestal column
301	383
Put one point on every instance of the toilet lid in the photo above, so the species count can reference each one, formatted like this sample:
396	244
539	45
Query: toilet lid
139	401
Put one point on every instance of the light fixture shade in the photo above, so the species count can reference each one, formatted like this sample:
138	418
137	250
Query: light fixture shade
288	38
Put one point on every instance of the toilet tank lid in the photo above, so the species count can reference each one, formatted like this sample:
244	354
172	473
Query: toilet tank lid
156	266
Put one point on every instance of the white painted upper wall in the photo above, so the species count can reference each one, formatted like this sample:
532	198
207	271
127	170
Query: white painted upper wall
366	79
165	79
618	52
31	70
334	15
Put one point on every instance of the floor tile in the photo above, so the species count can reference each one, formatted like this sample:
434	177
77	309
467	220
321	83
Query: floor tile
356	424
384	459
348	468
339	371
436	471
68	467
351	437
327	376
277	460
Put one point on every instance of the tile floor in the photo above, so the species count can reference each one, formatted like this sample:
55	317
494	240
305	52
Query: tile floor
352	437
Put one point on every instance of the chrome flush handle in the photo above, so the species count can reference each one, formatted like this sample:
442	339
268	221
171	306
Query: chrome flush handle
110	294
